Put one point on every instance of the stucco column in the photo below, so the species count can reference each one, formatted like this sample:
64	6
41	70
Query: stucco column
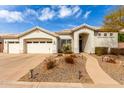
76	43
6	45
21	41
55	46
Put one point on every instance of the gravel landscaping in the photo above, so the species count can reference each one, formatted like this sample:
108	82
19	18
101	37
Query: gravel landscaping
114	69
60	68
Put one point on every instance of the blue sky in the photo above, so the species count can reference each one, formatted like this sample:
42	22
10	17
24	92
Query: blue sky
17	19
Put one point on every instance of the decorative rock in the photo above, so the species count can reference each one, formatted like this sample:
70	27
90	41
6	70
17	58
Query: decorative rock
105	58
108	59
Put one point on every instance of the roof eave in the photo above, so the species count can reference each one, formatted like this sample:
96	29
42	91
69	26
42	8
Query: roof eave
39	28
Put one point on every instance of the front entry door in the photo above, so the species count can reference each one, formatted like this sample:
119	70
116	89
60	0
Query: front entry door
80	45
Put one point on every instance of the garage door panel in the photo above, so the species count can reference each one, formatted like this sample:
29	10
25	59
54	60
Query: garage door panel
14	48
39	48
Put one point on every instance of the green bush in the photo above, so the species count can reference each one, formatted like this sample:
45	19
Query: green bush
66	49
121	37
59	51
101	50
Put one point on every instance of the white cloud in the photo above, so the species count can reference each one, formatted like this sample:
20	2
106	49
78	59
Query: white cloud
75	9
31	12
65	11
11	16
46	14
71	25
86	15
78	14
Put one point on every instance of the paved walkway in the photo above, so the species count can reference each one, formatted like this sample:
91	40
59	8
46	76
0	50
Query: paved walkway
96	73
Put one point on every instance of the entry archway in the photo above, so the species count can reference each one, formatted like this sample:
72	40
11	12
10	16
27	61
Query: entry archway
83	37
88	41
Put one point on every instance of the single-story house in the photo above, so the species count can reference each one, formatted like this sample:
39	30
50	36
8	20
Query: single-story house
83	38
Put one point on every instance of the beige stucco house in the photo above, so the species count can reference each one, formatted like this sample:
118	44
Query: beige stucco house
83	38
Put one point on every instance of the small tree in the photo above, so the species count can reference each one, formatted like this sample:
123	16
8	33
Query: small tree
114	21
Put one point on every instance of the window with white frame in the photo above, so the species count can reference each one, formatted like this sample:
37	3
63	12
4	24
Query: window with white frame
105	34
111	34
65	42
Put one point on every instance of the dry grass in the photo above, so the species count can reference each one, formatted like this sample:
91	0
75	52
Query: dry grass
60	54
62	72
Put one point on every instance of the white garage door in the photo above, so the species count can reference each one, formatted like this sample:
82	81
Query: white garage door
14	48
39	47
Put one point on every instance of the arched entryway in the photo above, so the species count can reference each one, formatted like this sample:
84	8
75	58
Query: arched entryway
83	37
83	41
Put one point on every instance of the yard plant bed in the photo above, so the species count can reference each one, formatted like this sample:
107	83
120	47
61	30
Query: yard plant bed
60	68
114	70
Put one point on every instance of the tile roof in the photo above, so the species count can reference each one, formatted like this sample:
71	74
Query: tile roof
56	34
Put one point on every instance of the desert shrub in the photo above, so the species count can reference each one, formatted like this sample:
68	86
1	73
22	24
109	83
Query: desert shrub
69	59
67	49
73	55
51	64
117	51
101	50
114	51
108	59
111	61
60	54
121	51
59	50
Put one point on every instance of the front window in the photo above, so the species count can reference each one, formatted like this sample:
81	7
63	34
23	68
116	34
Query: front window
105	34
111	34
49	41
65	42
99	34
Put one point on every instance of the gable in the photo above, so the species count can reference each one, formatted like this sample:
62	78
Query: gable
37	33
83	27
36	30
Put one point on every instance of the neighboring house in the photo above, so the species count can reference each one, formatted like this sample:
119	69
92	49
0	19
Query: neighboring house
83	38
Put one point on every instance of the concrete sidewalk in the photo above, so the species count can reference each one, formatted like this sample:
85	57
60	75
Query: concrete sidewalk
19	84
96	73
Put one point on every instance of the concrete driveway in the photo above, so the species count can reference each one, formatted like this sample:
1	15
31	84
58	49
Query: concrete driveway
14	66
